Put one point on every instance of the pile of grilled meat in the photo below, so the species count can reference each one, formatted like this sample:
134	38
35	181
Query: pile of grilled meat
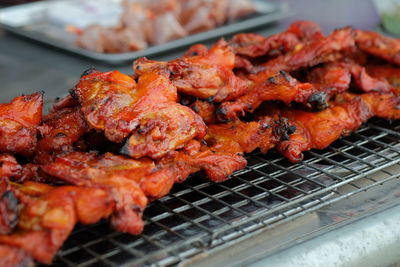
117	141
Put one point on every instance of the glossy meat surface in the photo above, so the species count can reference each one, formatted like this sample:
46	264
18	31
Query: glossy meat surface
280	86
317	130
245	137
114	103
319	50
60	129
253	45
378	45
19	120
208	75
13	256
49	214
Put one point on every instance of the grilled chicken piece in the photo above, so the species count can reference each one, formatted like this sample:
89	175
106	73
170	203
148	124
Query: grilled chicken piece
323	84
378	45
11	169
206	76
9	166
319	50
245	137
388	73
61	128
206	111
49	214
280	86
14	256
252	45
317	130
194	157
19	120
115	174
113	103
9	210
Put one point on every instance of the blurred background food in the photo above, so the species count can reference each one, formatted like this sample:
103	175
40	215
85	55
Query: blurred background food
152	22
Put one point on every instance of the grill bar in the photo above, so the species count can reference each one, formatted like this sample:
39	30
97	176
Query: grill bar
199	215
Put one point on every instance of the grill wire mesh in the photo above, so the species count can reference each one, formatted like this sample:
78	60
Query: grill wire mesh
199	215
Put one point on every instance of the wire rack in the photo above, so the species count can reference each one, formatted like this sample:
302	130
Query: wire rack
199	215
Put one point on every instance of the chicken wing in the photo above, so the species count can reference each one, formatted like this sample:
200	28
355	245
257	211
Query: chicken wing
206	76
280	86
317	130
206	111
389	73
252	45
49	214
245	137
61	128
14	256
378	45
112	102
319	50
19	120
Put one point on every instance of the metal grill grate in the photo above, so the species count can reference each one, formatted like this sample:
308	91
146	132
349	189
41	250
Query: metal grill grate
200	215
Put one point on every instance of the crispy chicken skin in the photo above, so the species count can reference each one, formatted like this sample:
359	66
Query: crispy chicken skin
49	214
378	45
14	256
194	157
19	120
61	128
112	102
317	130
206	111
280	86
251	45
386	72
9	166
206	75
112	173
245	137
319	50
324	82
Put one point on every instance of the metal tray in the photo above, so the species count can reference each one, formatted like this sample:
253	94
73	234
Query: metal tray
31	21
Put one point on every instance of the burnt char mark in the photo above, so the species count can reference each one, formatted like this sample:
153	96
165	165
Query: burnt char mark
291	129
27	98
221	114
272	80
125	149
285	75
195	108
283	129
210	99
89	71
74	94
318	101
